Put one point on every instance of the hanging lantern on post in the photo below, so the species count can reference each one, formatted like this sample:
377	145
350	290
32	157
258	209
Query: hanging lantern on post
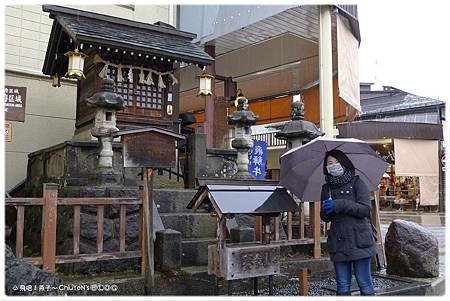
76	64
56	80
205	84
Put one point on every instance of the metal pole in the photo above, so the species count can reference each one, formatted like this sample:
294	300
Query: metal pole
229	287
149	281
325	72
255	286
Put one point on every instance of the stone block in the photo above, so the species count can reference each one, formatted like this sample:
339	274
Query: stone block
168	249
242	234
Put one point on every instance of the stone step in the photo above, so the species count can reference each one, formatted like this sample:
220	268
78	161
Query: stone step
195	252
173	200
191	225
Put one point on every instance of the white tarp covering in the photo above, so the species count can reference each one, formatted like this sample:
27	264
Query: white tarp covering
417	158
348	64
429	191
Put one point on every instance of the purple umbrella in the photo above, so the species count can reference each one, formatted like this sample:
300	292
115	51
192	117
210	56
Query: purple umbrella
302	167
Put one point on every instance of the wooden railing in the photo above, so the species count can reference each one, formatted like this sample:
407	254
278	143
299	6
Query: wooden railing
270	139
50	203
314	224
317	236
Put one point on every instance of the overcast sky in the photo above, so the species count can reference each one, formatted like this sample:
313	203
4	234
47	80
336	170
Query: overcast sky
406	45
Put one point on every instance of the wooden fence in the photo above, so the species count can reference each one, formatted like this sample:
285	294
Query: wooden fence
317	236
50	203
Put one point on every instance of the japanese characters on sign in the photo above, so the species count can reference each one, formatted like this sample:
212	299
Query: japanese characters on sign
257	159
15	99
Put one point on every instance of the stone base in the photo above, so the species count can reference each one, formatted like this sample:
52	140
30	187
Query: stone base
168	250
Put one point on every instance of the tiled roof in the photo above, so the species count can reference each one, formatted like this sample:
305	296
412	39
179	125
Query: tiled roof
149	39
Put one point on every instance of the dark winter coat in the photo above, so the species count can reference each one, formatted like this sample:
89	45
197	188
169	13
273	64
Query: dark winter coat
350	236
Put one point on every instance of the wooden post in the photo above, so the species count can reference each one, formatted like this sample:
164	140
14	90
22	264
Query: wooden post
221	239
376	222
314	223
148	233
76	230
141	242
301	222
19	231
208	124
289	225
100	218
122	227
303	282
49	219
265	229
277	228
258	228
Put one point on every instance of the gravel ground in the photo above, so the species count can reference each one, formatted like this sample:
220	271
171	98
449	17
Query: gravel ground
317	288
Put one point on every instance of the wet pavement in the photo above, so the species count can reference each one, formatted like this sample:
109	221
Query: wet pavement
435	222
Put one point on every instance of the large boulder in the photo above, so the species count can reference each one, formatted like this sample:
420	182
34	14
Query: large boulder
24	279
411	250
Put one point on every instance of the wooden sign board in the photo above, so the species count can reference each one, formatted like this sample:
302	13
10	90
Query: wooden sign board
148	149
15	99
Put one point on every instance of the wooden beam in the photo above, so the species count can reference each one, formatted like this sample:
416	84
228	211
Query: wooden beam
87	257
258	228
301	221
289	225
98	201
19	231
122	229
277	228
100	218
24	202
303	282
314	223
141	236
76	230
148	225
49	219
375	218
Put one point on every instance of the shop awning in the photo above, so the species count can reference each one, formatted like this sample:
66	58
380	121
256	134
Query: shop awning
382	129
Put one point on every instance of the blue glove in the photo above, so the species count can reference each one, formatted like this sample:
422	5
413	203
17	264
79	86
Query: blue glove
329	206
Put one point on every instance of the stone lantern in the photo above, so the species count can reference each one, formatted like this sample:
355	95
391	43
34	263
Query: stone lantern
298	131
106	102
243	119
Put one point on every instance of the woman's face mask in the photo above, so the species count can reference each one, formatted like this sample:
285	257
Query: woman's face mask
335	169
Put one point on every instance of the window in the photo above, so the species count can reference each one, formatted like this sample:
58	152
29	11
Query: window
140	99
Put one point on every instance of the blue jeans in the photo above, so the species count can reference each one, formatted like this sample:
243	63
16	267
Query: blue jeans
362	273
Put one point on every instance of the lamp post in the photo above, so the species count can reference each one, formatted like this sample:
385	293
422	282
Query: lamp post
243	119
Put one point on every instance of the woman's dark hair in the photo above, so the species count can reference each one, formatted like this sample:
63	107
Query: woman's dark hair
341	157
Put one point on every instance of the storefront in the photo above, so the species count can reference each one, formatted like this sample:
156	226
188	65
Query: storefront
412	180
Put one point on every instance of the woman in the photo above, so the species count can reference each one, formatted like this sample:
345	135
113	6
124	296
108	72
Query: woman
346	203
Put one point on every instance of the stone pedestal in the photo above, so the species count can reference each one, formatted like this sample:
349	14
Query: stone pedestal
242	234
168	250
